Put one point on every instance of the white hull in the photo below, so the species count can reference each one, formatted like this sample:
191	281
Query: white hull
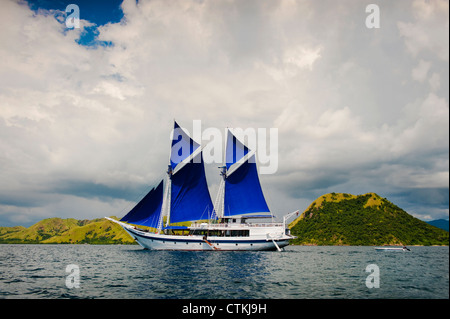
153	241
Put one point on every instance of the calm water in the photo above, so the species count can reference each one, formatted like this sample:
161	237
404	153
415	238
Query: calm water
39	271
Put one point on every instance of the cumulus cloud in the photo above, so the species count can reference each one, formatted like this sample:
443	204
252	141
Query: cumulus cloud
429	30
83	128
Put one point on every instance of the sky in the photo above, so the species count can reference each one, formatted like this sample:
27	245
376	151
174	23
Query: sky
86	113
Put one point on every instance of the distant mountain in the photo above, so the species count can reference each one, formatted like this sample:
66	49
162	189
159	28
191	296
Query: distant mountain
440	223
345	219
66	231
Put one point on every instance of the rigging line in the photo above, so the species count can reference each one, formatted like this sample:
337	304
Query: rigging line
218	205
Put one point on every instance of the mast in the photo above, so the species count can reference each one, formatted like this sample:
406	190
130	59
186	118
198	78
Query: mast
220	198
166	201
165	211
169	187
219	205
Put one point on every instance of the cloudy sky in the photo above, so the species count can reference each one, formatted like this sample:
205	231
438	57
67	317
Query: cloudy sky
85	114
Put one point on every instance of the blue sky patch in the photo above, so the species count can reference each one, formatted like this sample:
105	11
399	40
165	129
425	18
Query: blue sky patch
99	12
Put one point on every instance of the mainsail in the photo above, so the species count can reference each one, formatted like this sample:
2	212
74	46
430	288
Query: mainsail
189	198
243	195
189	194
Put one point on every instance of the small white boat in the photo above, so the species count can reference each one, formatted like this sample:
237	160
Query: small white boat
404	248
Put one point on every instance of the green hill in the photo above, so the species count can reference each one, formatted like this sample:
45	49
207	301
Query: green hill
345	219
66	231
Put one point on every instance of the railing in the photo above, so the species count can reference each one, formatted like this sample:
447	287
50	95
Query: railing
236	225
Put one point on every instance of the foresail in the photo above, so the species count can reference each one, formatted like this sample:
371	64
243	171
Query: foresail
148	210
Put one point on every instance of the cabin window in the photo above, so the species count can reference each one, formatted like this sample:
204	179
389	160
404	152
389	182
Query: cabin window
240	233
221	233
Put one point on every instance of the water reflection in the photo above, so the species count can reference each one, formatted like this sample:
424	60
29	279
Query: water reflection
204	274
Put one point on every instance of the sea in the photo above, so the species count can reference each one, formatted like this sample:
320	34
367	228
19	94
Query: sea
298	272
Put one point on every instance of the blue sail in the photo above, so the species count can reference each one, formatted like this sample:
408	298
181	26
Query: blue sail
190	199
148	210
182	146
243	193
235	150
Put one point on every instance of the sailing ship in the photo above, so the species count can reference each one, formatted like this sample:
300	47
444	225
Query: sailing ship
183	196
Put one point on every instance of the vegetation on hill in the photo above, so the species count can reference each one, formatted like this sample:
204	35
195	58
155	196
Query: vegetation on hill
345	219
66	231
